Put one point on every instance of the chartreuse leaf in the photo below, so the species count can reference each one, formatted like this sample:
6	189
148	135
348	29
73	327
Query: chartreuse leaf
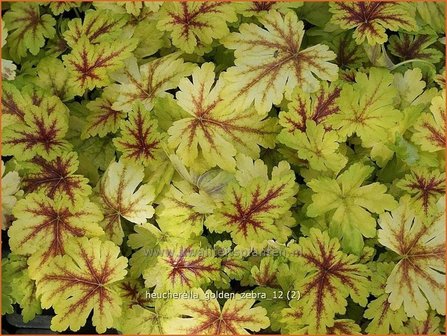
42	132
371	19
204	316
182	267
103	118
256	207
121	195
10	193
384	319
425	187
90	64
150	80
83	279
265	274
432	14
269	62
215	131
56	178
429	130
417	282
318	146
344	327
412	47
366	108
27	29
62	6
43	226
328	277
140	140
350	204
8	67
429	326
14	105
262	8
195	23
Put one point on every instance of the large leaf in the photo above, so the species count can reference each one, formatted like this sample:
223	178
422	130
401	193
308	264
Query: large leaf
371	19
269	62
82	280
204	316
328	277
215	129
44	226
350	204
122	196
418	279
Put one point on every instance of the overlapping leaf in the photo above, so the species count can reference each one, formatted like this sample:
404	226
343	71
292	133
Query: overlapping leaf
262	8
414	47
10	193
82	280
215	131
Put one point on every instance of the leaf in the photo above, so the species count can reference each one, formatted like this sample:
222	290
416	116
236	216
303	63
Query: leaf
366	108
122	196
262	8
384	319
269	62
317	146
98	26
418	279
344	327
214	129
43	226
426	187
205	316
14	105
56	178
329	277
182	267
54	79
62	6
90	64
11	192
410	47
150	81
433	14
371	19
349	55
140	141
429	130
82	280
103	118
27	29
195	23
429	326
257	208
350	204
42	133
304	106
265	274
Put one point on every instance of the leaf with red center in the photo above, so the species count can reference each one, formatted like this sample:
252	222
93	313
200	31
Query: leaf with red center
366	108
90	64
371	19
42	133
59	7
269	62
304	106
344	327
329	277
98	26
103	118
257	208
27	29
215	131
349	55
265	274
122	195
56	178
44	226
150	81
426	187
408	47
204	316
81	281
195	23
384	320
181	268
262	8
417	282
139	140
429	130
14	105
430	326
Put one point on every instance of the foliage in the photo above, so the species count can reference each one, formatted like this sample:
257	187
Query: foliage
226	168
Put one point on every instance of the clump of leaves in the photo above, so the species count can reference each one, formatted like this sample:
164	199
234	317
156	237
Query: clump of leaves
224	167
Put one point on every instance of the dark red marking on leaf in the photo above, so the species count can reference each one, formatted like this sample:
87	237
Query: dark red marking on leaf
245	217
339	328
10	106
260	6
346	53
32	21
132	292
436	136
410	47
426	188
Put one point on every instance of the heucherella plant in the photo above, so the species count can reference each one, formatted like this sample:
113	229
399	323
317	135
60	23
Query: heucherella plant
224	168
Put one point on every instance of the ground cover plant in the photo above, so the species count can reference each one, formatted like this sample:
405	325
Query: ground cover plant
224	168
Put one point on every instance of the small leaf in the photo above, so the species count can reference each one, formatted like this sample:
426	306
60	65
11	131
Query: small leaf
82	280
262	8
11	192
410	47
265	274
14	105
